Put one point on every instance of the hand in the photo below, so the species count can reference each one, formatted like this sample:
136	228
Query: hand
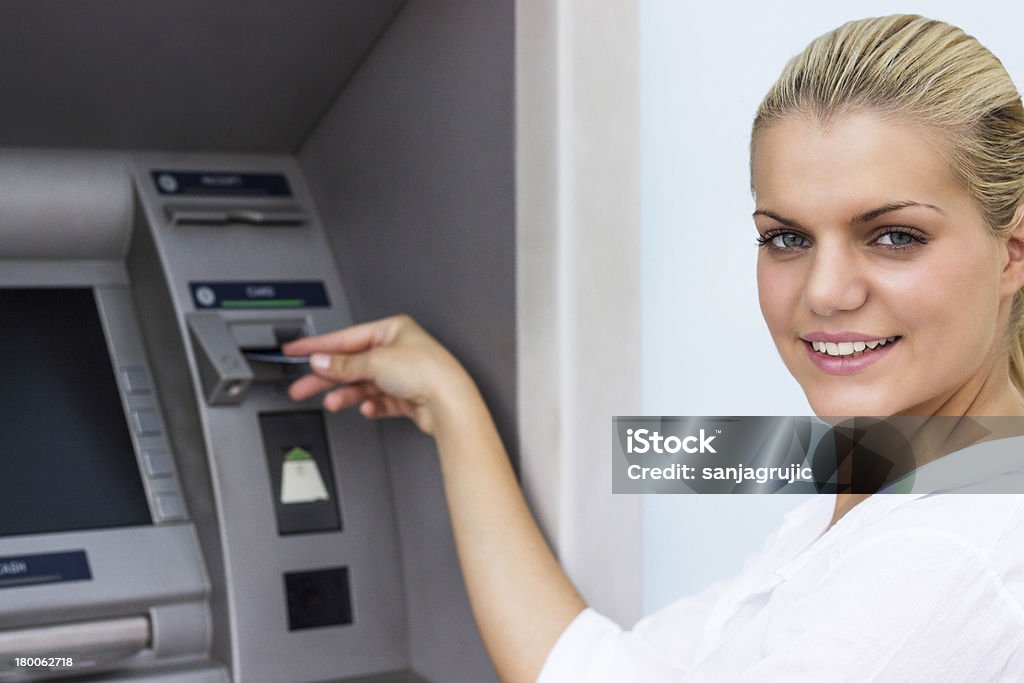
390	367
520	596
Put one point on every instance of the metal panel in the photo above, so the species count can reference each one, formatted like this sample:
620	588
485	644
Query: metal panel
238	75
413	170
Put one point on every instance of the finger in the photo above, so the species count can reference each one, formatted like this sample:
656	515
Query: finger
349	340
380	406
308	385
407	408
393	407
342	398
348	368
372	408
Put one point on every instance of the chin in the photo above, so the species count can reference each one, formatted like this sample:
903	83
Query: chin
833	404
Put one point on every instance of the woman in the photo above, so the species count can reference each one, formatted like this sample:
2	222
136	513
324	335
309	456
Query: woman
888	172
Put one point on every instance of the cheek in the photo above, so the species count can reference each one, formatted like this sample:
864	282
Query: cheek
953	302
779	287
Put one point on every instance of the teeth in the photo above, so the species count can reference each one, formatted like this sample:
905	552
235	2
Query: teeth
849	348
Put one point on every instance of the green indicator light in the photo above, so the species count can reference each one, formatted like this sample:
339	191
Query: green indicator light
263	303
298	454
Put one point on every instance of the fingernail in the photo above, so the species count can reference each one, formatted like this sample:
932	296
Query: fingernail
320	361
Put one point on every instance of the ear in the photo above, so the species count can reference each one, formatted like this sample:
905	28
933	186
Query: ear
1013	271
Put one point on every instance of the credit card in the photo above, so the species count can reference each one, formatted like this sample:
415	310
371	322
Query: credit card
275	357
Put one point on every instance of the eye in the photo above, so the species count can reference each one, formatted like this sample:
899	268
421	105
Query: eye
901	238
783	240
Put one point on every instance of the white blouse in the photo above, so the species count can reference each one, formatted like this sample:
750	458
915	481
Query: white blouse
904	587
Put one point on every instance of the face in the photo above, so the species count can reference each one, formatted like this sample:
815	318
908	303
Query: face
878	277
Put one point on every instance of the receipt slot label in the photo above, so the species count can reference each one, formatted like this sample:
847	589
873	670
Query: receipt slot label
300	478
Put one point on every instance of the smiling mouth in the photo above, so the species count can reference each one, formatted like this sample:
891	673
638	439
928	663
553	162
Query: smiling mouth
850	349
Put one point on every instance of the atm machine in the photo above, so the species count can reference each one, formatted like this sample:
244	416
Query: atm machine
175	513
167	512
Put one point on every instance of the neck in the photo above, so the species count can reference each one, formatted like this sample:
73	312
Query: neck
844	503
989	393
990	403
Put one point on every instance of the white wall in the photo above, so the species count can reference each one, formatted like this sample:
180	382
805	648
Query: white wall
703	69
578	283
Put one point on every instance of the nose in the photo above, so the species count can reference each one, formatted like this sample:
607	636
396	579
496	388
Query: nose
835	281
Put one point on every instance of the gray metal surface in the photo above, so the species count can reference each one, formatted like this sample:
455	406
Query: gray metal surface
128	634
63	205
132	569
223	372
233	75
180	675
413	173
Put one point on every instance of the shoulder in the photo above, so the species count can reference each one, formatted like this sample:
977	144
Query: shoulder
988	528
990	525
953	546
954	561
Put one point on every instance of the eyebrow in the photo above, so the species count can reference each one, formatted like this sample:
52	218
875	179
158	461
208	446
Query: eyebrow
789	223
865	217
869	216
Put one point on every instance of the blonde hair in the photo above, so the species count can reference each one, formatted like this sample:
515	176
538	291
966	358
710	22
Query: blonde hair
934	75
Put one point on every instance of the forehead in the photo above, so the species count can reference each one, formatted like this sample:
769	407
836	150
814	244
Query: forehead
857	160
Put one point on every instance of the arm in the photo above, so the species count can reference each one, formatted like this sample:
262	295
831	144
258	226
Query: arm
521	598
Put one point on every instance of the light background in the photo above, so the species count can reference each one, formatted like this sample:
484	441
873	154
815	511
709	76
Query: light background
703	70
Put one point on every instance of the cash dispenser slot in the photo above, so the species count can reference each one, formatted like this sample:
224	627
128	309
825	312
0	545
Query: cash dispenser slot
79	646
204	215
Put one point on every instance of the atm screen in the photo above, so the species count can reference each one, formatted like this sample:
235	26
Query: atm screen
66	457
